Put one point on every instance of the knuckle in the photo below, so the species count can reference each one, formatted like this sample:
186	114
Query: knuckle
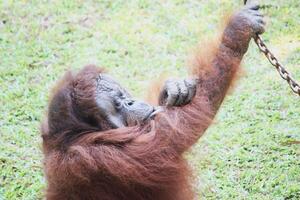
169	82
190	83
184	93
192	90
183	88
172	94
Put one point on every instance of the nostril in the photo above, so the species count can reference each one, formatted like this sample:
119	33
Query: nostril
117	103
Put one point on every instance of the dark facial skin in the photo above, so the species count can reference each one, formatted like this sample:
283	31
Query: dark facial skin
117	106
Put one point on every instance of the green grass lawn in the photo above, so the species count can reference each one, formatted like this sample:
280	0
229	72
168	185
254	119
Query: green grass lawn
244	155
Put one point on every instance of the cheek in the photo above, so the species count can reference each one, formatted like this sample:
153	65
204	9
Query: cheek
105	106
131	120
113	117
116	121
127	116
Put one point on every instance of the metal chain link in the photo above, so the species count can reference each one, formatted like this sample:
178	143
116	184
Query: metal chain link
274	61
281	70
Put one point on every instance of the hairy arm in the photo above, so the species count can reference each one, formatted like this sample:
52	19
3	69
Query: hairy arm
184	125
234	43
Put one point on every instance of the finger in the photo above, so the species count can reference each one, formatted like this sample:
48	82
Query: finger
191	82
255	13
163	97
191	91
172	96
253	5
191	94
251	2
182	93
262	19
259	20
260	29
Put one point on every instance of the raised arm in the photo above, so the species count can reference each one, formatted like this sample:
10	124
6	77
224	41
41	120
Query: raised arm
184	125
242	26
221	69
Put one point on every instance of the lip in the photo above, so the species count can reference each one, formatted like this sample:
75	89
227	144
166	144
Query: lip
149	114
154	111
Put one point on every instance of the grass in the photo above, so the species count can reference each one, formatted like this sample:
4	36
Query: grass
244	155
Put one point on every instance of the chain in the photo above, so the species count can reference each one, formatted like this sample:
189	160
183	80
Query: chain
281	70
274	61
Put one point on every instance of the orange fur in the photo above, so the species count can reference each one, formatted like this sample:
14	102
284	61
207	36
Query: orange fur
144	162
155	88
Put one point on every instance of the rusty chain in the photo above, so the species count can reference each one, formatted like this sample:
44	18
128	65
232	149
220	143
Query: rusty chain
274	61
281	70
